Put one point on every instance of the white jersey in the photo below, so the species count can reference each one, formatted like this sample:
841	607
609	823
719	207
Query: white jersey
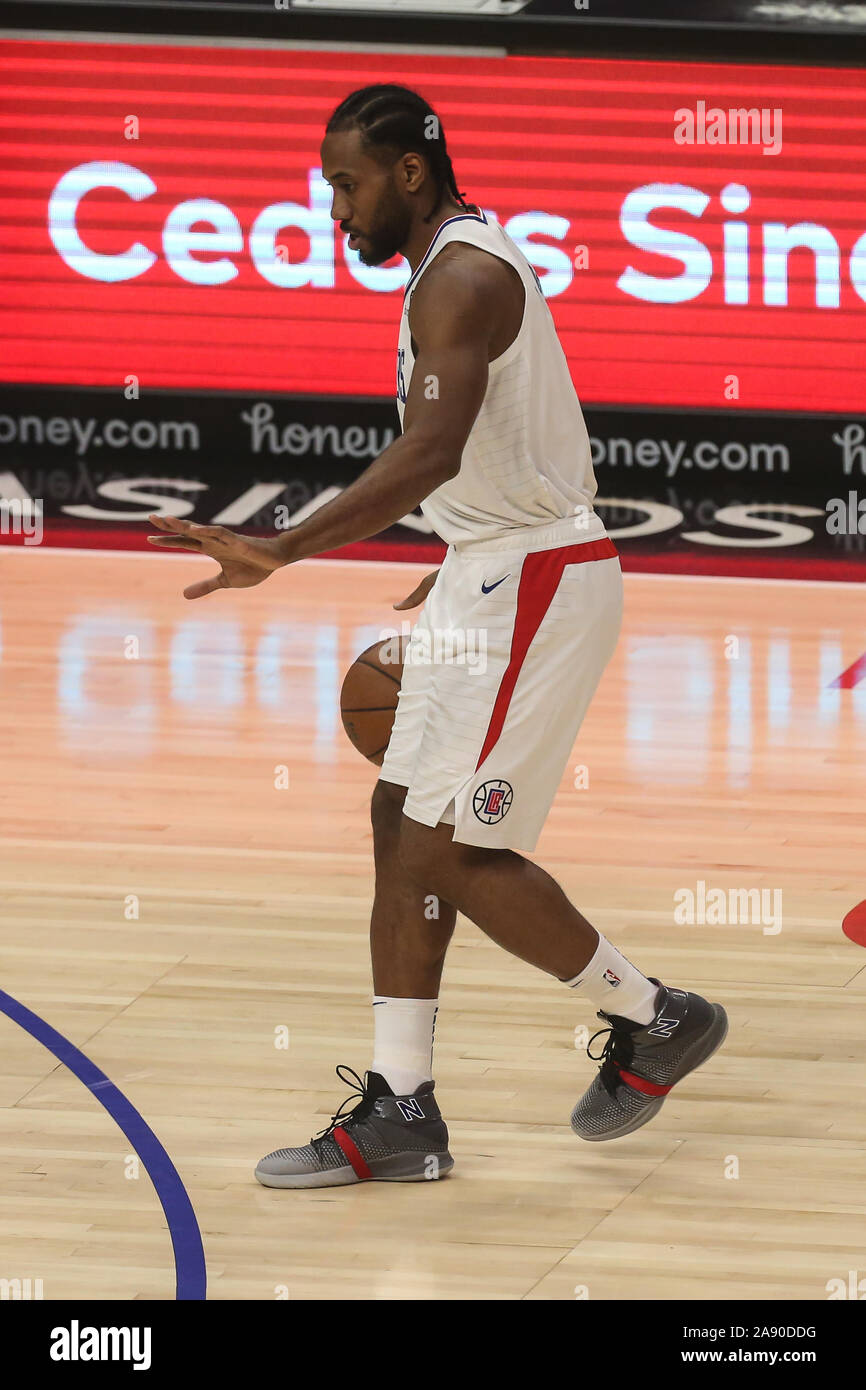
527	461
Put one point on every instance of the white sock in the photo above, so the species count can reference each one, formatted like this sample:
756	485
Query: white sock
614	985
403	1046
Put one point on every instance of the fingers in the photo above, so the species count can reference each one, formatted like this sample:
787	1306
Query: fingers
206	586
190	530
188	535
169	523
174	543
418	595
411	602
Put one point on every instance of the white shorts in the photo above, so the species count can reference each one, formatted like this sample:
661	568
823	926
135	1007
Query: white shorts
499	673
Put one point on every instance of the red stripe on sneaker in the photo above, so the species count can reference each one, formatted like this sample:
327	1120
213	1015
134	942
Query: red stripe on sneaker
539	580
352	1152
640	1083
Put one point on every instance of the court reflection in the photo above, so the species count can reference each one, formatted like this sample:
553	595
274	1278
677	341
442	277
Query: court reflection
124	680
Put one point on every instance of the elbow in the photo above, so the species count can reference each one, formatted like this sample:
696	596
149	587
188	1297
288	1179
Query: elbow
436	460
445	468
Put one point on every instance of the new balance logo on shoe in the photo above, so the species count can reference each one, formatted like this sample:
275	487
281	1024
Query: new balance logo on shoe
410	1109
664	1027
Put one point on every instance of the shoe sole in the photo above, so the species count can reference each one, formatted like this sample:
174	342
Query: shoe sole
701	1051
347	1177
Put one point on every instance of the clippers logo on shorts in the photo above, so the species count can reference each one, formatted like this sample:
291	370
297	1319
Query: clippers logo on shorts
492	801
612	980
410	1109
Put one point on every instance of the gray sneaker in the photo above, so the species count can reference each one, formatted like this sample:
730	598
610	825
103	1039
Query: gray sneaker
641	1062
383	1138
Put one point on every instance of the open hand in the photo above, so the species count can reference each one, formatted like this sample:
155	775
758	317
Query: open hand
243	560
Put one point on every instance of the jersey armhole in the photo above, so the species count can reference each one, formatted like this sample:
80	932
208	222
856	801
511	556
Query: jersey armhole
511	351
513	348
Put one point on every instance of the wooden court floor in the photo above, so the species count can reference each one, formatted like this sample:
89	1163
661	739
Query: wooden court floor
185	872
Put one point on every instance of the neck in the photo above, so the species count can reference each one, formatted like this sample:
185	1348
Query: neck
424	232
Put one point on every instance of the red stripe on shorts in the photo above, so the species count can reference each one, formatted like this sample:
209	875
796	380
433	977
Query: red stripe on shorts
539	580
352	1152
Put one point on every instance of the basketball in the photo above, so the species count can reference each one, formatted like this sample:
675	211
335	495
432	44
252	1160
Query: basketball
369	696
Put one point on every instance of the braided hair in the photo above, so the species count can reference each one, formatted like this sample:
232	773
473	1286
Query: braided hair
396	120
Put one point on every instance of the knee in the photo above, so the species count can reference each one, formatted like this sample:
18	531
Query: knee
417	849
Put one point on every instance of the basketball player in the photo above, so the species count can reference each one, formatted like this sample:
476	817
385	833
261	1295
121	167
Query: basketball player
495	450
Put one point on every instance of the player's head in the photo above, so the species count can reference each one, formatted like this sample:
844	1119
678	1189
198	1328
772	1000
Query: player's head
384	154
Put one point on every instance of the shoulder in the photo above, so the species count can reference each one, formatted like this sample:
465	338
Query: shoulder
467	270
463	281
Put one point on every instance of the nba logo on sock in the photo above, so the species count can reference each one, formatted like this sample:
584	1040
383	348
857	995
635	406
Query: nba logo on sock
612	980
492	801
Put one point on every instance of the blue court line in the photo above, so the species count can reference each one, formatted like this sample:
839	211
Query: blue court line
183	1228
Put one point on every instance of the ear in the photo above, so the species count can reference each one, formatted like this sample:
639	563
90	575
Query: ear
413	172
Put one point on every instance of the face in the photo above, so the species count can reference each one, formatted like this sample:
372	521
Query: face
368	199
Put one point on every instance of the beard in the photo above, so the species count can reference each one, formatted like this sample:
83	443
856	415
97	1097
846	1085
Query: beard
390	232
